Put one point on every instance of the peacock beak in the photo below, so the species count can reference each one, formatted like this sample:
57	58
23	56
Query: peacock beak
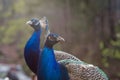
60	39
29	22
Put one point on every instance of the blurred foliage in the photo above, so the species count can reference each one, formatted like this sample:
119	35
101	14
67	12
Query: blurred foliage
19	6
8	35
113	52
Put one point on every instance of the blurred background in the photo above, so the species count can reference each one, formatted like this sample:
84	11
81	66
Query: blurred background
91	29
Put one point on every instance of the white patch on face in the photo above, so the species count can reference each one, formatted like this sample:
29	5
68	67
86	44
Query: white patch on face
37	23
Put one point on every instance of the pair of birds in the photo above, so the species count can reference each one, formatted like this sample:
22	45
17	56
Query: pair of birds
49	64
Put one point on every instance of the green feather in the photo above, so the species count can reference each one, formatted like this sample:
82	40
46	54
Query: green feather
101	72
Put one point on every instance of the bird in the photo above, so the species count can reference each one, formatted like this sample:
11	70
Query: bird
32	48
48	66
67	69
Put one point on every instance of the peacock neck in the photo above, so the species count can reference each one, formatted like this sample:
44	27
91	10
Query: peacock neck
48	54
33	44
36	35
34	41
48	68
32	50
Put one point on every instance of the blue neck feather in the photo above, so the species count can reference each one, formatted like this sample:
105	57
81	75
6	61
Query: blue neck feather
32	51
48	68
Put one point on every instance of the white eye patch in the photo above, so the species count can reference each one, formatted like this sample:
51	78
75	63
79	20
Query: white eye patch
37	23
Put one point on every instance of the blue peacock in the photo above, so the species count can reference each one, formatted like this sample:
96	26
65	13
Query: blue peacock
48	67
61	66
31	50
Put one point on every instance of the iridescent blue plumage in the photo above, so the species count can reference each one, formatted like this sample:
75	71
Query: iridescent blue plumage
48	67
32	47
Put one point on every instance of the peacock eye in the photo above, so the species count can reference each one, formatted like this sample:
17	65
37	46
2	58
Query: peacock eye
49	38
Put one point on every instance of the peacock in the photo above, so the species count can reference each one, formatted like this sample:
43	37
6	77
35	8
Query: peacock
32	48
68	69
48	67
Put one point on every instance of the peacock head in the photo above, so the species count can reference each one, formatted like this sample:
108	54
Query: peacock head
52	39
34	23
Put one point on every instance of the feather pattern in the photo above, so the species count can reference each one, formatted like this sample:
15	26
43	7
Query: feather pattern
83	71
61	55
